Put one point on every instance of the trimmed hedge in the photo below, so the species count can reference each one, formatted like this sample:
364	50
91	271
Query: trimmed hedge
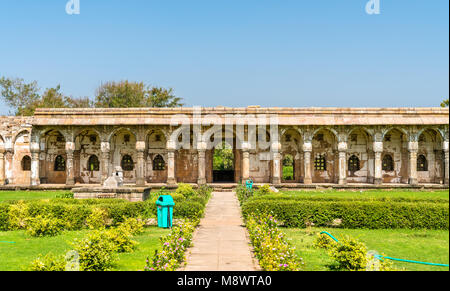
325	198
353	214
74	214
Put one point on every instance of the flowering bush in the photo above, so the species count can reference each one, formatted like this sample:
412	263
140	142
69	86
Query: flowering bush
243	193
186	190
174	246
272	250
18	215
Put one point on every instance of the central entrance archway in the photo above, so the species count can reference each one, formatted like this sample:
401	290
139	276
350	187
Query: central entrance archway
223	163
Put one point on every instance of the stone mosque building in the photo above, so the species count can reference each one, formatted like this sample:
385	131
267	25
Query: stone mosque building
342	146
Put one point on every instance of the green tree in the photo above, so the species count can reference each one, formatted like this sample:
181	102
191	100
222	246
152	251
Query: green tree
444	103
19	95
134	94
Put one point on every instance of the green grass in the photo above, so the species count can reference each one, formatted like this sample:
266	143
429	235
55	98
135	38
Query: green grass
30	195
420	194
419	245
18	255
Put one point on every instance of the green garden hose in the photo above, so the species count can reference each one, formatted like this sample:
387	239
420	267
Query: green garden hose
390	258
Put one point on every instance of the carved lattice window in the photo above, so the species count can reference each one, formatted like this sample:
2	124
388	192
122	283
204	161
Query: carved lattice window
126	138
388	163
93	163
353	164
127	163
320	163
422	163
60	164
26	163
159	164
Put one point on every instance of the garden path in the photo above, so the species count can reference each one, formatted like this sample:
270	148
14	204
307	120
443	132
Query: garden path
221	241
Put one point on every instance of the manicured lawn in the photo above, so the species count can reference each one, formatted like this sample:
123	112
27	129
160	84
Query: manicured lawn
30	195
419	194
420	245
18	255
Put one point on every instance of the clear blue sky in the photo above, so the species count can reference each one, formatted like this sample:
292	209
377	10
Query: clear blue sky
236	52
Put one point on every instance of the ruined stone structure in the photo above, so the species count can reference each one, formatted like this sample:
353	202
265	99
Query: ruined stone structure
323	145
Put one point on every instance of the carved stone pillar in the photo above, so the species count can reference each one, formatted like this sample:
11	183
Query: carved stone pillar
378	173
276	163
307	150
245	162
70	148
2	166
201	147
171	180
35	150
9	154
342	148
105	156
445	147
140	179
413	148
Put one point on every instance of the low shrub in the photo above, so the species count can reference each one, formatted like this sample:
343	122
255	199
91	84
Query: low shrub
18	215
121	239
96	252
186	190
204	191
4	217
323	241
44	226
48	263
272	250
97	219
353	214
132	225
263	190
349	254
174	246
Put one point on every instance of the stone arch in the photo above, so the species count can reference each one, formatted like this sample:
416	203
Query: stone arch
87	144
429	142
53	144
122	143
395	144
291	145
360	145
21	148
156	145
324	148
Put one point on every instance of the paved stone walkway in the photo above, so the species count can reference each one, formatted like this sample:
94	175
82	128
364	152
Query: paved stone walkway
221	242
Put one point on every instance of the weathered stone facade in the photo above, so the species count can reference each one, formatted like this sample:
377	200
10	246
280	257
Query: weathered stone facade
326	145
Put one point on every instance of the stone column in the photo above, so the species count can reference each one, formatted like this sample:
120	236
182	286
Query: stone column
70	148
245	162
378	173
342	148
445	147
35	150
9	153
201	147
140	148
2	166
413	148
276	163
105	160
307	150
171	147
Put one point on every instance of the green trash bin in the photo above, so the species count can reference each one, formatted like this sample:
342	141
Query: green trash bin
165	204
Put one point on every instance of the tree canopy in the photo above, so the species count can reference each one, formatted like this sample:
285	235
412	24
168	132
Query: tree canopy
24	97
444	103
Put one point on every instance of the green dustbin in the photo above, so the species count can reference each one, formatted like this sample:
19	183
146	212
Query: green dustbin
165	204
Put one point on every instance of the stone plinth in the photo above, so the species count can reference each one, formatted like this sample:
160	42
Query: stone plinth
132	194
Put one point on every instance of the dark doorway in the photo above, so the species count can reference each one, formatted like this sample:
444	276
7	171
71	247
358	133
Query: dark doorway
223	164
